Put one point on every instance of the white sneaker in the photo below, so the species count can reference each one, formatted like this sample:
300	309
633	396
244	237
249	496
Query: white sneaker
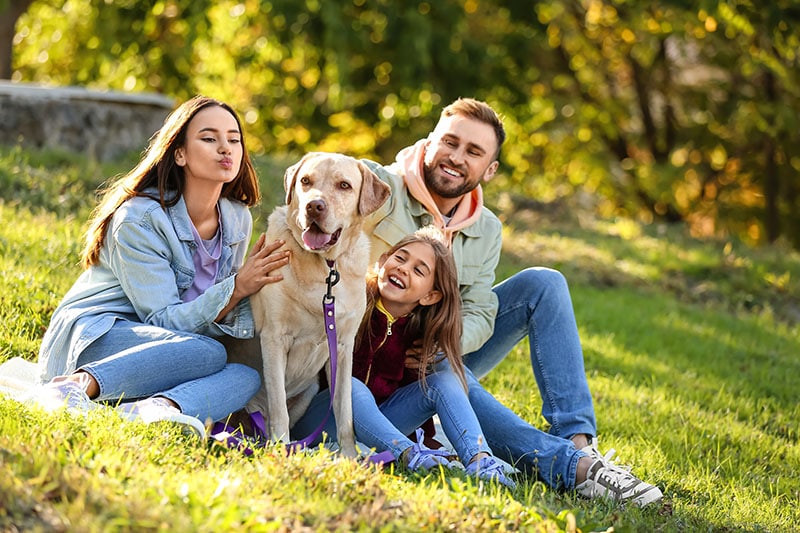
60	394
157	409
608	480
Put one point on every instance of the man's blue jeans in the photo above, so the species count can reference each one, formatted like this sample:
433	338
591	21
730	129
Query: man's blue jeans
536	303
133	361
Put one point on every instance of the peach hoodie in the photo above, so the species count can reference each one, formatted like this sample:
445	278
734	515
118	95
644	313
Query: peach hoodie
409	164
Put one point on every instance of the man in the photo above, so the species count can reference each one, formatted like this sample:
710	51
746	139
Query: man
437	181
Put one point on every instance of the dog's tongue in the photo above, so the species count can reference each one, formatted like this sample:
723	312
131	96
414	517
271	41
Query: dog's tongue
315	239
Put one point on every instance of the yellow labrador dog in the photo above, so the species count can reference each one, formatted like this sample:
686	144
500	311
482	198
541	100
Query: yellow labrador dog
327	197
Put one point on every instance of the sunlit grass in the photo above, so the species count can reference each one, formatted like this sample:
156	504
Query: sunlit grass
691	353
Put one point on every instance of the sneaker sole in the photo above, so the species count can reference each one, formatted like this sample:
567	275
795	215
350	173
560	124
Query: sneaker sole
190	423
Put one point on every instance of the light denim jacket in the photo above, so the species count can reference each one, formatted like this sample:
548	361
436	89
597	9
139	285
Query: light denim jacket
476	250
145	266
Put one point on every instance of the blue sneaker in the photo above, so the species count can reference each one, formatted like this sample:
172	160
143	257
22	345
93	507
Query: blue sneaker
420	457
488	469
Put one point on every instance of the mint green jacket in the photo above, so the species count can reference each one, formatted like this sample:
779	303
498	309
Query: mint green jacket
476	250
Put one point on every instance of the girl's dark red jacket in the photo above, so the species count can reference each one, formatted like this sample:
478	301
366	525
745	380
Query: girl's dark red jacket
379	359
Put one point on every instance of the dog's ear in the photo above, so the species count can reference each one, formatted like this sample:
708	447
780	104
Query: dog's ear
374	192
290	177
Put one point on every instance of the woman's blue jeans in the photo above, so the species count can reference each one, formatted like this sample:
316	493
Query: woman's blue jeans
536	303
386	427
133	361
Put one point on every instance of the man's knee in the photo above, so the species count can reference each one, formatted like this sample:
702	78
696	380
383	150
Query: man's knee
533	285
544	277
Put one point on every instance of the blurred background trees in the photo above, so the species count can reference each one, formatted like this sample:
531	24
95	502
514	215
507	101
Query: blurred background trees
664	111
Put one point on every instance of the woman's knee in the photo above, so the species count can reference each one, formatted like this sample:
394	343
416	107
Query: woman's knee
210	351
247	379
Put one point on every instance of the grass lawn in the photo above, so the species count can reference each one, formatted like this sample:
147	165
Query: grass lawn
692	352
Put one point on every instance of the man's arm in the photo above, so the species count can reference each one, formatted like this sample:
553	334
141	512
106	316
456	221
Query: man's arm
478	259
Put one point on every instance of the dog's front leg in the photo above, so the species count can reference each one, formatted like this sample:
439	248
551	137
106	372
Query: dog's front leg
343	400
274	354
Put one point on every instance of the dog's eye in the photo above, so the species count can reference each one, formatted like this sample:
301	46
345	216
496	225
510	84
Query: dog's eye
345	185
305	181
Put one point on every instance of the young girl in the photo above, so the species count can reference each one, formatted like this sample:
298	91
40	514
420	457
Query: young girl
165	272
413	306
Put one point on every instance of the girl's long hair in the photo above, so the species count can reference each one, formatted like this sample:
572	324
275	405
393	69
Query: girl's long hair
439	325
158	169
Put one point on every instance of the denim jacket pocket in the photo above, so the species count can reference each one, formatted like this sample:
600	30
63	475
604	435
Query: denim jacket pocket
183	279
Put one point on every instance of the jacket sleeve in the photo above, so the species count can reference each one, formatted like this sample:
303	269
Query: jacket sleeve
479	302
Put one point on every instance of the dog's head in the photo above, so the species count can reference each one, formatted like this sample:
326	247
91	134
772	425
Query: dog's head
328	196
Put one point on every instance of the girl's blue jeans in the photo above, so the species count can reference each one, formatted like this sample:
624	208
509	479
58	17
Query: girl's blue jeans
133	361
386	426
535	303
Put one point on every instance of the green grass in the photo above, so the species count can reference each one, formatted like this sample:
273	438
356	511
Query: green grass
692	351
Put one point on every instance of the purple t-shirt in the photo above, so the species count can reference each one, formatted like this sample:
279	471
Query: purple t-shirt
206	261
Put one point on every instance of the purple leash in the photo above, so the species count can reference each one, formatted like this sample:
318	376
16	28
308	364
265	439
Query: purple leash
330	332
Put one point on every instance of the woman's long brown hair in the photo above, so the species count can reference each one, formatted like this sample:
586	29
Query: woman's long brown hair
158	169
439	325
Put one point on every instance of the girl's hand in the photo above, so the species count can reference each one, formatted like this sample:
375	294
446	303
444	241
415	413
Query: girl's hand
260	266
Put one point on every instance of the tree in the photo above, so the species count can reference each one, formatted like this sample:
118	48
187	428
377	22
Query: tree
10	11
666	111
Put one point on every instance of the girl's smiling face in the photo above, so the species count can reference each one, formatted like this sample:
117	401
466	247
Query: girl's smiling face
406	277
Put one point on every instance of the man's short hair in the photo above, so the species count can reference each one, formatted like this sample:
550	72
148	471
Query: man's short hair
481	111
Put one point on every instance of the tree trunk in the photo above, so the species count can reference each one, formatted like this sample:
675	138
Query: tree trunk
9	14
772	222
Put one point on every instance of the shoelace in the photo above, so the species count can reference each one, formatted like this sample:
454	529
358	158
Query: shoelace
485	465
615	475
608	460
420	451
489	468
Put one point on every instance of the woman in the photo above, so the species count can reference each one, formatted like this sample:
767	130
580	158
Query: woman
165	273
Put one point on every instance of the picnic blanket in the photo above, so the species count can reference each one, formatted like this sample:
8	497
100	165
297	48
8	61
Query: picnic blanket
17	377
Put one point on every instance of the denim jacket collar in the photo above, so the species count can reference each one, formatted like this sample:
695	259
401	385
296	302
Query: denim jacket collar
179	214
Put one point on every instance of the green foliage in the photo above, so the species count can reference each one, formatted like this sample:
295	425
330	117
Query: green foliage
666	111
690	348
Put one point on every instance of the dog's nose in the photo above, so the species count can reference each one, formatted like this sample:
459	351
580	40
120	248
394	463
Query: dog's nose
316	207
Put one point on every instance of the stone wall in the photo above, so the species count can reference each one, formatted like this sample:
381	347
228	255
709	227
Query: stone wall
100	124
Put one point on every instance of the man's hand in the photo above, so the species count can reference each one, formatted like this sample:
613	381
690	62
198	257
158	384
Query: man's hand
414	356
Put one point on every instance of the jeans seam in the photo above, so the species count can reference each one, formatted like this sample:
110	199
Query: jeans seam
466	446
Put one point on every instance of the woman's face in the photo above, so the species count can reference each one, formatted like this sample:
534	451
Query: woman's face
406	278
213	149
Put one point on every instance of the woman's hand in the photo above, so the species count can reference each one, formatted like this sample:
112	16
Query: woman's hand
260	266
258	270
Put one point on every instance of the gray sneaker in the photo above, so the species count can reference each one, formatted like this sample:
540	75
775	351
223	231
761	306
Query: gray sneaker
61	394
157	409
608	480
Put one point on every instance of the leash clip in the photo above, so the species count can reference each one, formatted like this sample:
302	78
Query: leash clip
331	280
